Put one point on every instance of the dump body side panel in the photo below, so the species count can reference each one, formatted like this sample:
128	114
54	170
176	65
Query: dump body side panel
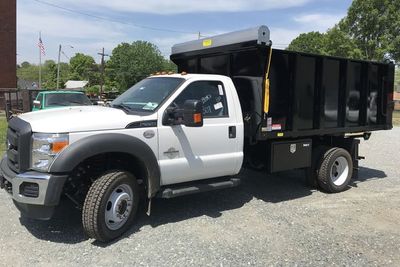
309	94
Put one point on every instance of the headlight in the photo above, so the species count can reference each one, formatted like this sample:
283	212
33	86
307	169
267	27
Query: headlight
45	147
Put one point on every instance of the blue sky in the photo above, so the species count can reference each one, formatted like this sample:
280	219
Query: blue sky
179	20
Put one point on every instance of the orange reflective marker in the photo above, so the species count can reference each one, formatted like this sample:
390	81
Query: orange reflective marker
58	146
197	117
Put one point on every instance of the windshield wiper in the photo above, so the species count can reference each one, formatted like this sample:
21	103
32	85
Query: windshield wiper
57	104
122	106
77	102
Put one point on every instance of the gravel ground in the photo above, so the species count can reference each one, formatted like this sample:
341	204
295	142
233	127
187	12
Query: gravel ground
268	220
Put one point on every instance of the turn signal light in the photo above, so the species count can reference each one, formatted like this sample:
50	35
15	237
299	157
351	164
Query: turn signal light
58	146
197	117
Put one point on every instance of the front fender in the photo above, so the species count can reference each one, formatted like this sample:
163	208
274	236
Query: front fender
107	143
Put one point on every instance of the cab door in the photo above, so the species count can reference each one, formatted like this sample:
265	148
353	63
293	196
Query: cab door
194	153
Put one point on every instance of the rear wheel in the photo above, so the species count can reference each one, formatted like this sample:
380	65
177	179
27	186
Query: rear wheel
335	171
110	206
311	172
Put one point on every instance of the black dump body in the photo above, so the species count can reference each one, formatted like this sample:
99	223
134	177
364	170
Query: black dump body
309	94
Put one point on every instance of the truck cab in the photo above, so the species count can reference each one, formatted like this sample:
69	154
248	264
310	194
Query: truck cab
165	130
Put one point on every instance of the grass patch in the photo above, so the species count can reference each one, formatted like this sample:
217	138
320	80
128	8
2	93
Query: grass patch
3	134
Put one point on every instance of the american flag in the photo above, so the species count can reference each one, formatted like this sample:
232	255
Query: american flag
41	46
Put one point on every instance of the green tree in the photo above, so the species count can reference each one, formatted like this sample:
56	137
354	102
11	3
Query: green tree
311	42
64	73
129	63
25	64
375	26
169	66
339	43
49	75
83	67
397	79
28	72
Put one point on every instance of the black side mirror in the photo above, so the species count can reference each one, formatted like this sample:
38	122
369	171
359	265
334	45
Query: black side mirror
193	113
169	117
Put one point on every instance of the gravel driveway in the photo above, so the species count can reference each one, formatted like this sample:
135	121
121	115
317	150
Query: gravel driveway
268	220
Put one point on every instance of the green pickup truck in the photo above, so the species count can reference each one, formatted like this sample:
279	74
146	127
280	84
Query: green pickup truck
58	99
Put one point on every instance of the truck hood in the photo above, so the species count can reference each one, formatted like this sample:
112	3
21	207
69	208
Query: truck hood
78	119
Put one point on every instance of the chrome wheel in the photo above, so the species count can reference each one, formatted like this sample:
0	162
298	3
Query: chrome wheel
119	207
339	171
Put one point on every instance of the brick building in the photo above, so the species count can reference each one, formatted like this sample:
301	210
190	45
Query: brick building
8	44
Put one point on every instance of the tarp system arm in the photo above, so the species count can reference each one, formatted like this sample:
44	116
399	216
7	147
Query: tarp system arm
267	82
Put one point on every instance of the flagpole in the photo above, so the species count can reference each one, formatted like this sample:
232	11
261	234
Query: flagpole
40	63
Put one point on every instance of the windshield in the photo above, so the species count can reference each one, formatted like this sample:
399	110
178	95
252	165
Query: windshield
147	94
65	99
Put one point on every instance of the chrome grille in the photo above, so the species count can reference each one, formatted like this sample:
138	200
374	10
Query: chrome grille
18	144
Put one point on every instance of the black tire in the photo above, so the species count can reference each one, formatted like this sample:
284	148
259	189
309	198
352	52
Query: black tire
311	172
335	171
98	200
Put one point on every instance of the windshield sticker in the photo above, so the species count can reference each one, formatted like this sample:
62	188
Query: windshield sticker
220	89
150	106
218	106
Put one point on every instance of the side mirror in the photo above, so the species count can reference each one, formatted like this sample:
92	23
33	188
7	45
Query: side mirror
169	116
37	104
193	113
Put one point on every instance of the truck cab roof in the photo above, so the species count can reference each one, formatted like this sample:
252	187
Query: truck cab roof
62	92
189	76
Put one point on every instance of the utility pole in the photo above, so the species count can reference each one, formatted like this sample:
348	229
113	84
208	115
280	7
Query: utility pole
58	63
58	67
102	54
40	62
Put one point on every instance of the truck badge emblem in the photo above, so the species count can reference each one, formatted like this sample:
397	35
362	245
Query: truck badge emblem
149	134
292	148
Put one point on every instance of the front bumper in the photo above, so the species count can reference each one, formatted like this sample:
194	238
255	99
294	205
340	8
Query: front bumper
35	194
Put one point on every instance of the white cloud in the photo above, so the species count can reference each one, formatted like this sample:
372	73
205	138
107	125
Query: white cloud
281	37
165	44
57	25
318	21
167	7
89	35
85	35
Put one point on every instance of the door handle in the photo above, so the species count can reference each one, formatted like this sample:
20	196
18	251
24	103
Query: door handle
232	132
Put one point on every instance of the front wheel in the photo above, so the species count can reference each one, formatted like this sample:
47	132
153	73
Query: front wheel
110	206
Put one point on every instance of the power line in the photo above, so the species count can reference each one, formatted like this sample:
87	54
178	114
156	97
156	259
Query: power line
112	20
65	55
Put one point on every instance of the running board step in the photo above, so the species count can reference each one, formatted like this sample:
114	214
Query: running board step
199	187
